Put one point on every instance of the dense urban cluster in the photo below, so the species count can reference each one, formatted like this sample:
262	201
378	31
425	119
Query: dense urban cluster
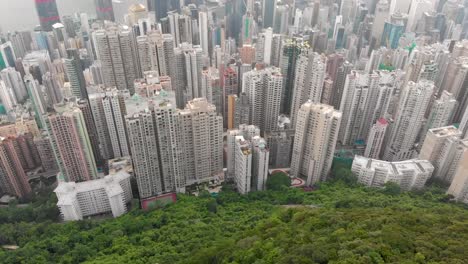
175	96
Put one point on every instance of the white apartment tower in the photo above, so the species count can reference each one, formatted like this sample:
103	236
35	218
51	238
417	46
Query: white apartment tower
108	108
243	165
201	139
459	186
414	99
409	174
263	88
310	75
442	148
376	139
315	140
115	51
246	131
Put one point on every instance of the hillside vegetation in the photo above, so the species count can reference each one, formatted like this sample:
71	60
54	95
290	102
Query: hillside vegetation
334	224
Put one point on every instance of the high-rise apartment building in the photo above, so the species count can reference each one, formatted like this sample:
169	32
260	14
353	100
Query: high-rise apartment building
152	136
459	186
108	108
13	179
242	110
230	87
308	85
263	88
243	165
247	132
13	79
314	142
442	148
442	111
71	144
409	174
376	139
46	153
115	49
291	49
201	138
414	99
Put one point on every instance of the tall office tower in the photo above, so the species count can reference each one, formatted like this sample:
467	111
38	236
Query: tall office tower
314	142
162	7
59	35
281	19
366	98
290	52
441	112
7	55
108	109
442	148
104	10
381	15
85	108
231	87
7	96
46	153
247	132
249	28
13	79
459	186
13	179
201	135
392	31
242	110
308	85
71	144
263	88
115	51
455	81
417	9
347	10
203	27
409	174
48	13
75	74
376	139
52	88
414	99
268	13
339	84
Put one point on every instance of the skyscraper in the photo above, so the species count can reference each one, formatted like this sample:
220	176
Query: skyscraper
459	186
13	79
289	55
75	74
441	113
409	117
71	144
247	132
231	87
315	140
104	10
48	13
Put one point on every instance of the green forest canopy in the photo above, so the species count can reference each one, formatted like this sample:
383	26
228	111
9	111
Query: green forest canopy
334	224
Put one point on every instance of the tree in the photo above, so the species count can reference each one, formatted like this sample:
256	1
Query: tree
276	181
392	188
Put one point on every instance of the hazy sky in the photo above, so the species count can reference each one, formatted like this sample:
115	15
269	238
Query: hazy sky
21	14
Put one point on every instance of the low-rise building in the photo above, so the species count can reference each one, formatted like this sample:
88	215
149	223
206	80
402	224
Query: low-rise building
409	174
110	194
